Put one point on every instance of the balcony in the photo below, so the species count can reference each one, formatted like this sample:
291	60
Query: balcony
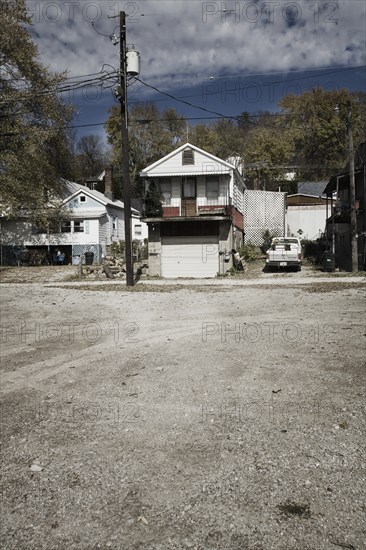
196	207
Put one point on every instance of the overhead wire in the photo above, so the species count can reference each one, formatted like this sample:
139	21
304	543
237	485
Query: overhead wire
221	115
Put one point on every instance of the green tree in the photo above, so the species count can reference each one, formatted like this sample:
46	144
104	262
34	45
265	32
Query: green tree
153	205
320	132
33	141
152	134
268	152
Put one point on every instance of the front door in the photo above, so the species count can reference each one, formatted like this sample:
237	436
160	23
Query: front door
189	206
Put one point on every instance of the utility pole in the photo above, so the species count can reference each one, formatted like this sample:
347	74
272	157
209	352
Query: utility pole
125	175
352	188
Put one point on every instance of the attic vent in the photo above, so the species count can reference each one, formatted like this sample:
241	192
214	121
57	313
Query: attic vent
187	157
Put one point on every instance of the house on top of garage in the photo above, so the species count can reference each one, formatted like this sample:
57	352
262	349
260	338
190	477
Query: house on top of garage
202	214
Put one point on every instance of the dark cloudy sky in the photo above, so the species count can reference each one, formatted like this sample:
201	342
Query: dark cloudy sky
227	57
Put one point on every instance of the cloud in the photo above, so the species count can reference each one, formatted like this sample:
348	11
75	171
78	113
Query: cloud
195	40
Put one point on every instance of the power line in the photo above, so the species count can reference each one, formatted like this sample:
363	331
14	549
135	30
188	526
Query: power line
236	118
331	70
213	79
185	102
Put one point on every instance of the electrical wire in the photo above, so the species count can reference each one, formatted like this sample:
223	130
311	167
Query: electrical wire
183	101
221	115
109	77
213	79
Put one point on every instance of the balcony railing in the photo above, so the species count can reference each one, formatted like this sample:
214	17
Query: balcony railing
193	207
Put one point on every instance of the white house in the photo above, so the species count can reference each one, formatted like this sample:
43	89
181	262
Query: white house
202	220
307	210
92	221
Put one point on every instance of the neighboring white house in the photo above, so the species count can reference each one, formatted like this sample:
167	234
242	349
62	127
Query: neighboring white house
307	211
202	218
92	222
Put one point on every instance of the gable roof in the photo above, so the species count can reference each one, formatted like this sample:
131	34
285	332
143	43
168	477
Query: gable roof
313	188
225	166
70	190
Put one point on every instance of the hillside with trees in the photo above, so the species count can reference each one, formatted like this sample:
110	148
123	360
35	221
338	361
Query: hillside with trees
307	135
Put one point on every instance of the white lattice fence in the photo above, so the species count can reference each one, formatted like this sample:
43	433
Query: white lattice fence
263	210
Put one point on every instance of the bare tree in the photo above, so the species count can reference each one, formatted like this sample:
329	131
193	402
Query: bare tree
91	157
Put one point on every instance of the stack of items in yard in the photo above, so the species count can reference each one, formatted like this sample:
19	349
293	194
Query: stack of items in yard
112	267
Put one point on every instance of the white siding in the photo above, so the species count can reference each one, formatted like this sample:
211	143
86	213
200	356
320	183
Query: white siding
119	234
103	228
139	229
238	199
203	164
89	204
20	233
310	218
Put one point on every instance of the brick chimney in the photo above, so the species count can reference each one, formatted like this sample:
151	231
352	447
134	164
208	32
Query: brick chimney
108	191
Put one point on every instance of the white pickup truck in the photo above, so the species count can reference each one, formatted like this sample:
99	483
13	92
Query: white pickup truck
284	252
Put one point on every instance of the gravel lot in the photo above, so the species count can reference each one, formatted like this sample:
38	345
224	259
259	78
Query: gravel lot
225	414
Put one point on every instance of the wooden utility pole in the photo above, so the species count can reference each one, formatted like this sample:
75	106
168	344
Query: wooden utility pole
125	175
352	188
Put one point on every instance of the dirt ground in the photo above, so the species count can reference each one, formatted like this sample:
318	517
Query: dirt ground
224	414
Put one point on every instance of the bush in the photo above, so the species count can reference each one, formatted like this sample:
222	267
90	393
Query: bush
117	248
313	250
267	239
248	252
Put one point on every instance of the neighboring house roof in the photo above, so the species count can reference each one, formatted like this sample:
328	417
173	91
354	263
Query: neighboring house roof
312	188
220	166
70	190
298	199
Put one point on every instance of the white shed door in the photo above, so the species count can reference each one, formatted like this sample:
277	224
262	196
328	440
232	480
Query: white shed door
189	256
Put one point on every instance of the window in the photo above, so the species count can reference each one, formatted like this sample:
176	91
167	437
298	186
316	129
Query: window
212	187
187	157
82	198
65	227
166	191
78	227
137	229
115	226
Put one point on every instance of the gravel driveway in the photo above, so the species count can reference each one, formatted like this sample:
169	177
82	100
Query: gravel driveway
207	417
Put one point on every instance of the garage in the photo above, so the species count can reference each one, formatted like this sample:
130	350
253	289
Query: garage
190	256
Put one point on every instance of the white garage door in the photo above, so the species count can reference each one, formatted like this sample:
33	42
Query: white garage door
189	257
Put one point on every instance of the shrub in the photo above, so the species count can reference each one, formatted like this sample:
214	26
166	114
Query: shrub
117	248
248	252
313	250
267	239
